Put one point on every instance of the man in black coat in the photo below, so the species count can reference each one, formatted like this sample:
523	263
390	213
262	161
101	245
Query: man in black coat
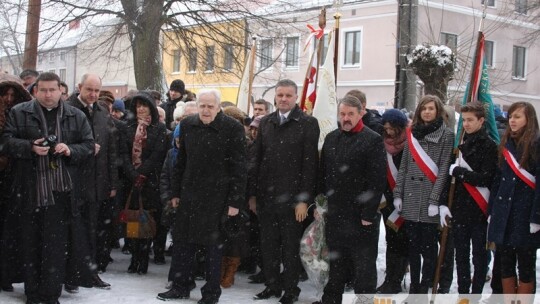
208	185
284	181
101	175
475	168
353	177
48	141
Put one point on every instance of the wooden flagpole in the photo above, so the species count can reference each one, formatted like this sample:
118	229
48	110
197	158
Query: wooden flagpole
251	66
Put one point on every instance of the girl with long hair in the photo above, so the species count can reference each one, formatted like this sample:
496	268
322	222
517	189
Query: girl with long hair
422	179
514	204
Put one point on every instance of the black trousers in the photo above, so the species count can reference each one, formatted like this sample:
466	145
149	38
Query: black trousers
280	242
183	256
160	239
422	245
464	235
361	257
44	247
104	230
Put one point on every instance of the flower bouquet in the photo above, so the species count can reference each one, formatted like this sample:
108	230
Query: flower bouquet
313	250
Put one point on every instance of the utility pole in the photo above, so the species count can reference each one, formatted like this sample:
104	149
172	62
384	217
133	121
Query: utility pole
406	42
32	34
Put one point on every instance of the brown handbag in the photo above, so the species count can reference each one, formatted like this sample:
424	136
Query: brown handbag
140	224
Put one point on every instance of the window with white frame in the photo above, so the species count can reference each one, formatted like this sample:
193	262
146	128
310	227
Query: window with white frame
52	56
521	7
63	56
176	61
192	62
291	51
353	43
228	57
266	47
490	3
450	40
518	62
489	52
210	51
324	41
62	74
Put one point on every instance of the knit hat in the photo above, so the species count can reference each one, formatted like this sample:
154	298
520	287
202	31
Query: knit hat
178	86
256	121
118	105
394	117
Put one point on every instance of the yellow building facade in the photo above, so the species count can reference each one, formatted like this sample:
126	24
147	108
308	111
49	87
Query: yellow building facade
211	56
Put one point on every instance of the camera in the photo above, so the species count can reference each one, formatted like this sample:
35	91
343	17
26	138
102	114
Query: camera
50	141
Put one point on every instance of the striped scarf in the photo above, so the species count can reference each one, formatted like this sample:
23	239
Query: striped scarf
139	141
51	178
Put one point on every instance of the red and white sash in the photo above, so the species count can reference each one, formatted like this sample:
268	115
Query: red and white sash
391	171
394	220
523	174
479	194
422	159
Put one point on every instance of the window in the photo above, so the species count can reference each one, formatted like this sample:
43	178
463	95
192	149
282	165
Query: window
228	57
450	40
52	56
209	58
63	56
488	52
267	46
291	52
324	41
40	58
518	62
192	59
352	48
521	7
176	61
490	3
62	74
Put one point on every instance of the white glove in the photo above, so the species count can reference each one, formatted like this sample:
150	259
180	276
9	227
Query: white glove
535	228
397	204
432	210
451	169
443	212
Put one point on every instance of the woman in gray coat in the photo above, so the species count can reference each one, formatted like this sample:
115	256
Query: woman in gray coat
422	177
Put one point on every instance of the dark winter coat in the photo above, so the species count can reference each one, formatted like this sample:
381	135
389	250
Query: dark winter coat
152	157
513	205
353	173
373	120
480	152
286	160
210	175
22	128
412	185
100	171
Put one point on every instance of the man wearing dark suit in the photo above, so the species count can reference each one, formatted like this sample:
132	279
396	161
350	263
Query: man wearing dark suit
100	172
283	182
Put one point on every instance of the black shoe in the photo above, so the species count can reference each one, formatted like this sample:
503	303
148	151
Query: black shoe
133	266
97	282
7	287
389	288
159	260
257	278
267	293
288	299
208	300
71	288
173	294
125	250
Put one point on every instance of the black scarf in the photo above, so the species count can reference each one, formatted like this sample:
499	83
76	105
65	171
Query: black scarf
52	176
421	130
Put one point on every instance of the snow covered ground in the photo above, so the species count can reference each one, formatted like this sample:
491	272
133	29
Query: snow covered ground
133	288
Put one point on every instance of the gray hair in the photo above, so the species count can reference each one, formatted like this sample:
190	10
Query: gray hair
212	92
351	101
287	83
87	75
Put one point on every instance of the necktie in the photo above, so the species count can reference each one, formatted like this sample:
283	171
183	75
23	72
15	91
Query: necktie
283	119
90	110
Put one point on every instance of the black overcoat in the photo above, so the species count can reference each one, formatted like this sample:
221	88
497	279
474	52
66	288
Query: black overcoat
210	175
353	177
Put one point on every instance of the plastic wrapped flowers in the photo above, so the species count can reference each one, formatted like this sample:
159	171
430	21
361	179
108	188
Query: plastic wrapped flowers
313	250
